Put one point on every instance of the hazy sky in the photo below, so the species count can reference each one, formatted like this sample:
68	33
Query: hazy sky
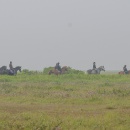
38	33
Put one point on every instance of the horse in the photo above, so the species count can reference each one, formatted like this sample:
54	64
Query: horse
122	72
3	69
96	71
57	72
14	71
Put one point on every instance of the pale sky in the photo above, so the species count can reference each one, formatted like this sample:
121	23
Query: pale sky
39	33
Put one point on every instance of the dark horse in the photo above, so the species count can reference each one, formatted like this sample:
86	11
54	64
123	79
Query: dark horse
57	72
14	71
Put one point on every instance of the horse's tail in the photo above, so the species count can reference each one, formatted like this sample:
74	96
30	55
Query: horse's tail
89	71
50	72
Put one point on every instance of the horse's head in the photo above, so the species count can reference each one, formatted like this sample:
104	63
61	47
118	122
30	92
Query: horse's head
64	68
102	68
18	68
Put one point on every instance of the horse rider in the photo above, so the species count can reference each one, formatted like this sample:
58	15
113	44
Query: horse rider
11	67
58	67
94	65
125	69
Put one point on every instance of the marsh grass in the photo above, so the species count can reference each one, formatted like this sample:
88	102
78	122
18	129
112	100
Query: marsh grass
66	102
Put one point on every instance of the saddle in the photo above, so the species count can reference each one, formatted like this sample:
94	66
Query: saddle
93	70
11	71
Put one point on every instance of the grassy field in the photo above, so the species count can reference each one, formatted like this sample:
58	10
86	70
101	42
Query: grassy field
65	102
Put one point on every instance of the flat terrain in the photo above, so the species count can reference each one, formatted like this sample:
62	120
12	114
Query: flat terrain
65	102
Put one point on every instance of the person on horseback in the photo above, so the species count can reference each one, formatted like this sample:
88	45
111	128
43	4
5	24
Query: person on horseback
94	65
94	68
11	67
58	67
125	69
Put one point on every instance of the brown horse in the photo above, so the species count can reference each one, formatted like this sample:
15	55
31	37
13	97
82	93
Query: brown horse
57	72
122	72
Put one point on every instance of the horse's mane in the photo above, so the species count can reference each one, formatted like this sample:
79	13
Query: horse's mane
17	67
101	67
64	68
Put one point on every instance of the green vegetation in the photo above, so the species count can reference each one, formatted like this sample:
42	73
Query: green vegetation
73	101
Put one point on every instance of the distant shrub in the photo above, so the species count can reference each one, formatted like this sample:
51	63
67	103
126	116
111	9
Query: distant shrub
74	71
47	69
26	71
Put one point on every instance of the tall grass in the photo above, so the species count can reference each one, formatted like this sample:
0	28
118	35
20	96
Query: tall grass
37	101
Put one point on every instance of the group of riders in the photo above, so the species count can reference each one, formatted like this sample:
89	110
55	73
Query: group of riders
58	67
124	68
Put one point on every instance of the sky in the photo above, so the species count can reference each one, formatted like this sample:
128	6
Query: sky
39	33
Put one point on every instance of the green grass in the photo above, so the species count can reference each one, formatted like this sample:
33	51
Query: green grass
64	102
